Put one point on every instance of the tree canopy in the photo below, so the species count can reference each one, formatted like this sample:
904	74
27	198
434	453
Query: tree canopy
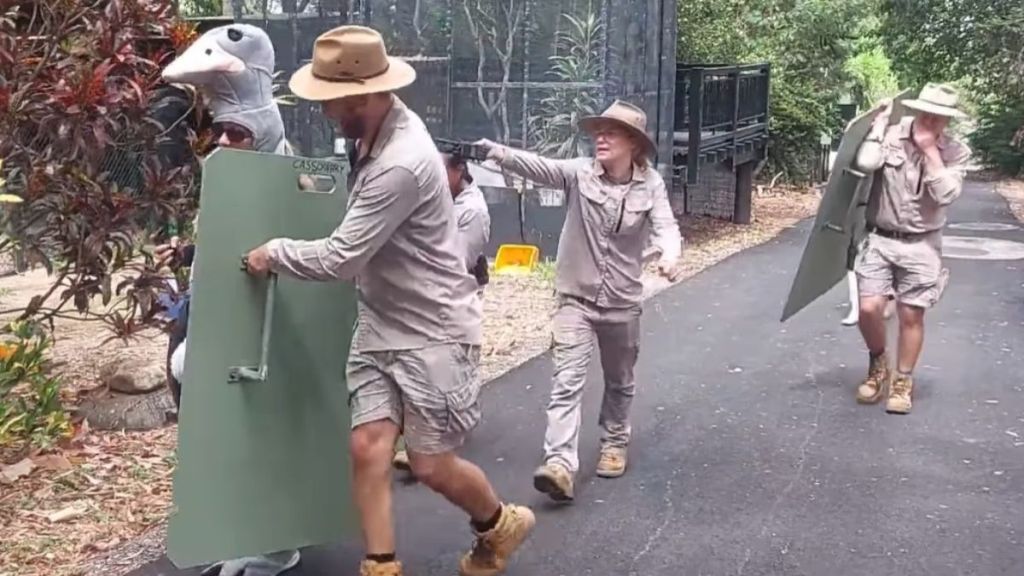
827	51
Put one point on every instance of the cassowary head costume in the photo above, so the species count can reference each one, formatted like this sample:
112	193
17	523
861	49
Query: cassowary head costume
233	67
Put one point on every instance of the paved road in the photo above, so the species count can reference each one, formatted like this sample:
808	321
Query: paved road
750	455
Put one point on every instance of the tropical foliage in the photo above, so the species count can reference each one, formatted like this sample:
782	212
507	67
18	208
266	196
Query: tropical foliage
81	152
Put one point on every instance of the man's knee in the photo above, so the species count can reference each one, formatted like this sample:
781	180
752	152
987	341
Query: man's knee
431	469
873	307
373	443
911	316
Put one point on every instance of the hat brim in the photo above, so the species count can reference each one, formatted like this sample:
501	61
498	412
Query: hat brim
308	87
922	106
590	123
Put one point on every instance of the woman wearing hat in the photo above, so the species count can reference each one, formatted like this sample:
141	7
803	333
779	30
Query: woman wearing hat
919	171
615	201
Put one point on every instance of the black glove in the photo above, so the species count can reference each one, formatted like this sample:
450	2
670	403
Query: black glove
186	254
483	276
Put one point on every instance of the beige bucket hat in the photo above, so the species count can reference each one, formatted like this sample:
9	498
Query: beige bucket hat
350	61
938	99
630	117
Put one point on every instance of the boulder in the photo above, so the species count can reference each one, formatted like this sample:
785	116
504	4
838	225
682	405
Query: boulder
133	376
115	411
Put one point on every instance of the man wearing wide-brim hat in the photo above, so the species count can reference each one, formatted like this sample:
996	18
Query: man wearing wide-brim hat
615	202
919	171
413	365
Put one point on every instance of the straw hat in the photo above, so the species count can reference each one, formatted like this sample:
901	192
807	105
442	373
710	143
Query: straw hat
938	99
350	61
628	116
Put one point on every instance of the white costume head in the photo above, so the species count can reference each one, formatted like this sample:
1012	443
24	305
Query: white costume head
233	66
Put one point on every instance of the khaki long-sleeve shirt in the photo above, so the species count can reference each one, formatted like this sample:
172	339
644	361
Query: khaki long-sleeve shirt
399	242
905	196
607	225
474	222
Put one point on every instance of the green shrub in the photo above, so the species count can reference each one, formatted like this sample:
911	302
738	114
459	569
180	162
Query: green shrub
30	405
871	74
799	115
996	141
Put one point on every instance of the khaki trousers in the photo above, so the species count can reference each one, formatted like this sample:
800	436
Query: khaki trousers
578	325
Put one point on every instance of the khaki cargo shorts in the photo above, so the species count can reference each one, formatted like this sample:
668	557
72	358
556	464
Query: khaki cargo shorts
432	393
909	270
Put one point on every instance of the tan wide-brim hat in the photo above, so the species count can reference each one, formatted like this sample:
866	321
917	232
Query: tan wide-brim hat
938	99
628	116
350	61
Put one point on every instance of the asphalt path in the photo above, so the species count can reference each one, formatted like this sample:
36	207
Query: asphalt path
750	455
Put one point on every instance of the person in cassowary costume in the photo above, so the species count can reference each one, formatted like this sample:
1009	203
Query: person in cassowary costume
232	67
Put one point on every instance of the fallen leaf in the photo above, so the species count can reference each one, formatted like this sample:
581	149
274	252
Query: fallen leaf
10	474
81	433
52	462
69	513
102	545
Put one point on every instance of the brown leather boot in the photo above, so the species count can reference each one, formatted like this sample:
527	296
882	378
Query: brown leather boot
490	553
555	481
873	388
900	394
612	463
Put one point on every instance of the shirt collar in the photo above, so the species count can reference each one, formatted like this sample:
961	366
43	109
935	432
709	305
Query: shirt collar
638	171
468	191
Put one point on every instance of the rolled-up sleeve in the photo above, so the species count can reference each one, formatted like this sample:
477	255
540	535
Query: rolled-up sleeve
946	184
665	234
869	156
544	171
380	206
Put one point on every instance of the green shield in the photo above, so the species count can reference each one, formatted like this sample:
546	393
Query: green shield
263	426
840	219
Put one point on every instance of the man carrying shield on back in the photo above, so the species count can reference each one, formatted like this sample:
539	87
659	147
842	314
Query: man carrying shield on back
919	172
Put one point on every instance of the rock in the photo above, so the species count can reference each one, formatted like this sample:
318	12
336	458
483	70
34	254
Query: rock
133	376
115	411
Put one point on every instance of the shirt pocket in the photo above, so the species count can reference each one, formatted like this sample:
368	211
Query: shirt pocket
894	156
636	209
593	192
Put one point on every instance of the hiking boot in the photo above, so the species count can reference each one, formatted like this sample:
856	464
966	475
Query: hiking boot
873	387
612	463
401	461
492	549
372	568
555	481
899	394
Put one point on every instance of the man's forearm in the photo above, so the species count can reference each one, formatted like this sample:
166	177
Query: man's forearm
943	183
317	260
933	160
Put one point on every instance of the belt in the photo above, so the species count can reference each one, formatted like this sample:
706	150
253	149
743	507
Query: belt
897	235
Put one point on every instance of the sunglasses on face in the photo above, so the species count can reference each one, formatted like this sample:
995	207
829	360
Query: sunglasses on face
609	132
233	132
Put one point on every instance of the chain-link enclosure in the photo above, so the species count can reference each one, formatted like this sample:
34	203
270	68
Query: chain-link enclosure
515	71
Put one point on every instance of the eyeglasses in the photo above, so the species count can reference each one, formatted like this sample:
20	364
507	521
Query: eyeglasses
609	132
234	132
